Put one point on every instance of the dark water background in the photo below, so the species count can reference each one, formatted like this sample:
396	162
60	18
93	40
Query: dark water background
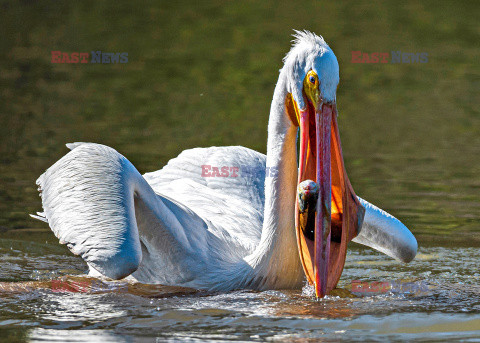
202	74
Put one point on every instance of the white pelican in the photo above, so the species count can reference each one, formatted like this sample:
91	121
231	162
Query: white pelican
176	227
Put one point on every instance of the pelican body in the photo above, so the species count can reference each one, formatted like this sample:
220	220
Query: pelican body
177	227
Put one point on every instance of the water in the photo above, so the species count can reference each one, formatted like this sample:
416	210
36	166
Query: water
430	299
203	75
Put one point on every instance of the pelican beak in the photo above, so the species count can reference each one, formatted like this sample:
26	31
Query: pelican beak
326	226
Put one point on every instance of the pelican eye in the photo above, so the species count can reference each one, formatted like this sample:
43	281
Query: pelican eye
311	87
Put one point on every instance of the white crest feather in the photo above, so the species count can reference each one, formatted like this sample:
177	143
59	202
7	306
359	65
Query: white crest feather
311	52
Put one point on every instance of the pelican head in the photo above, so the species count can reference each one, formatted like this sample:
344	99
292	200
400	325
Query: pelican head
312	79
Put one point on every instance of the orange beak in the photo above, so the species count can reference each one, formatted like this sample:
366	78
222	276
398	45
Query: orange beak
338	213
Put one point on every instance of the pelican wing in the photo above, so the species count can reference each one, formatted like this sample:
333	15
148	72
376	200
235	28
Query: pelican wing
223	185
98	204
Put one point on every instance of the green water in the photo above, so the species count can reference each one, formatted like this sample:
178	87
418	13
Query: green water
203	74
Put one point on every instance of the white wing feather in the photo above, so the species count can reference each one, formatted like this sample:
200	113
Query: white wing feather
98	204
83	201
232	204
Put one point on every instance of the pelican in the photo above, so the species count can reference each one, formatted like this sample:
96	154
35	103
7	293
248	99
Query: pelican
282	219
